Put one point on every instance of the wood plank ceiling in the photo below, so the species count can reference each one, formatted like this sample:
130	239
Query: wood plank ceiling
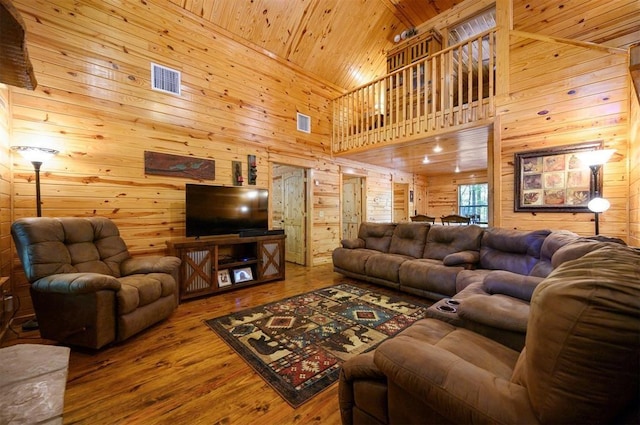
344	42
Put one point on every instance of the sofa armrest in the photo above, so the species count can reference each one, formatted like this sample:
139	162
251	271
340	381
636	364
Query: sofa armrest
353	243
462	258
456	389
149	264
358	368
511	284
76	283
498	311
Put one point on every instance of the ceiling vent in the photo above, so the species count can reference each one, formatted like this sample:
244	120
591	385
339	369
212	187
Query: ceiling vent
304	123
165	79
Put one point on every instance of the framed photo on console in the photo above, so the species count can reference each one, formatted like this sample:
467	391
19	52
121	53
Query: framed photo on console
242	275
554	179
224	279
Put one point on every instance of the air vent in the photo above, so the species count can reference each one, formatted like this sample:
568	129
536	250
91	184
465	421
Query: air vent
165	79
304	123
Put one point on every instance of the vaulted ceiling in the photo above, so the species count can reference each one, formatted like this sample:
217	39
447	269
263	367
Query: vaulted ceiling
341	41
344	42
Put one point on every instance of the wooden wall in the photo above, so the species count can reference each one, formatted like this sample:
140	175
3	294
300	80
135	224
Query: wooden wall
560	95
634	163
95	105
442	191
5	184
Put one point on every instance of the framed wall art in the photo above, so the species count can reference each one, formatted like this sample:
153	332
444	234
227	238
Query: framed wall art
554	179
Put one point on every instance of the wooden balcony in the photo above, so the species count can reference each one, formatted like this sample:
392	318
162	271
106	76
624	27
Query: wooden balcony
450	90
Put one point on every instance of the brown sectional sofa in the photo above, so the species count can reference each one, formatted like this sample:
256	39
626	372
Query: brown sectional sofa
573	302
481	278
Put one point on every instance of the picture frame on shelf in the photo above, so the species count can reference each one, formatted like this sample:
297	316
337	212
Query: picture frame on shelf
554	179
224	278
243	274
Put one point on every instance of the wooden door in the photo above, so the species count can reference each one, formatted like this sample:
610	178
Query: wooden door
352	206
294	203
400	202
277	212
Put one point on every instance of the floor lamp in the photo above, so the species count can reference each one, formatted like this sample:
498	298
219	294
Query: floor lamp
595	160
37	156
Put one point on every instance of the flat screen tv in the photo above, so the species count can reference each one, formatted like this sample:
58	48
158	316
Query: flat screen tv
222	210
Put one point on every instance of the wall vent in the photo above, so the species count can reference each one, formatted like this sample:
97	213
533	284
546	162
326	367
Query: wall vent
304	123
165	79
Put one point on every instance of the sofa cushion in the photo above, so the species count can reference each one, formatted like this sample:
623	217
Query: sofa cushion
445	240
376	236
409	239
556	240
426	276
94	244
511	284
142	289
584	322
352	260
516	251
497	311
385	266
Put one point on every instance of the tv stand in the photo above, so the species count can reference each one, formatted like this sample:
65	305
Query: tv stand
212	265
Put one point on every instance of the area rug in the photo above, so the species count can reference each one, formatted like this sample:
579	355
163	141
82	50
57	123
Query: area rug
298	344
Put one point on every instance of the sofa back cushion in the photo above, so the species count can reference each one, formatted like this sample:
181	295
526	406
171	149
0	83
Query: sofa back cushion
556	240
581	363
445	240
409	239
516	251
49	246
376	235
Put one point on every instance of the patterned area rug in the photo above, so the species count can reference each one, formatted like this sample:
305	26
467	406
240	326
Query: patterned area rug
298	344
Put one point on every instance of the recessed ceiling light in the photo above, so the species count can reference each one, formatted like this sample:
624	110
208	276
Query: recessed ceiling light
437	149
425	160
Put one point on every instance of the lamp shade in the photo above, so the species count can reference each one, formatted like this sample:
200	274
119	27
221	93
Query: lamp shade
34	153
596	157
598	205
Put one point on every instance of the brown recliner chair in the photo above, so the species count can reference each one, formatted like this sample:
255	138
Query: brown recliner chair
580	364
86	288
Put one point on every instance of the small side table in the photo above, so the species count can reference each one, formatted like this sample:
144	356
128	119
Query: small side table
33	379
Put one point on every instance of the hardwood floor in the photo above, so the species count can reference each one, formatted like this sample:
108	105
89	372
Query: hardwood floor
180	372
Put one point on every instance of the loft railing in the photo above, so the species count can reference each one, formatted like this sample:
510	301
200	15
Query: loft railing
450	88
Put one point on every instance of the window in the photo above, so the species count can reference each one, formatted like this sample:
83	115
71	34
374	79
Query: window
473	201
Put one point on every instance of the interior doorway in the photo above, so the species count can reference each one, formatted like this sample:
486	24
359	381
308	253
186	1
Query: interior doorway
353	205
400	202
289	203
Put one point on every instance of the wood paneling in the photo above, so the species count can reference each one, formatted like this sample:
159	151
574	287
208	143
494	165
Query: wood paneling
563	94
324	37
5	199
634	174
442	191
94	104
5	183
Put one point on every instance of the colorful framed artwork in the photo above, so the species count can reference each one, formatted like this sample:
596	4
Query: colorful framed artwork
554	179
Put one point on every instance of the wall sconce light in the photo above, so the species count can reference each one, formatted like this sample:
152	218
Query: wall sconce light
37	156
595	160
